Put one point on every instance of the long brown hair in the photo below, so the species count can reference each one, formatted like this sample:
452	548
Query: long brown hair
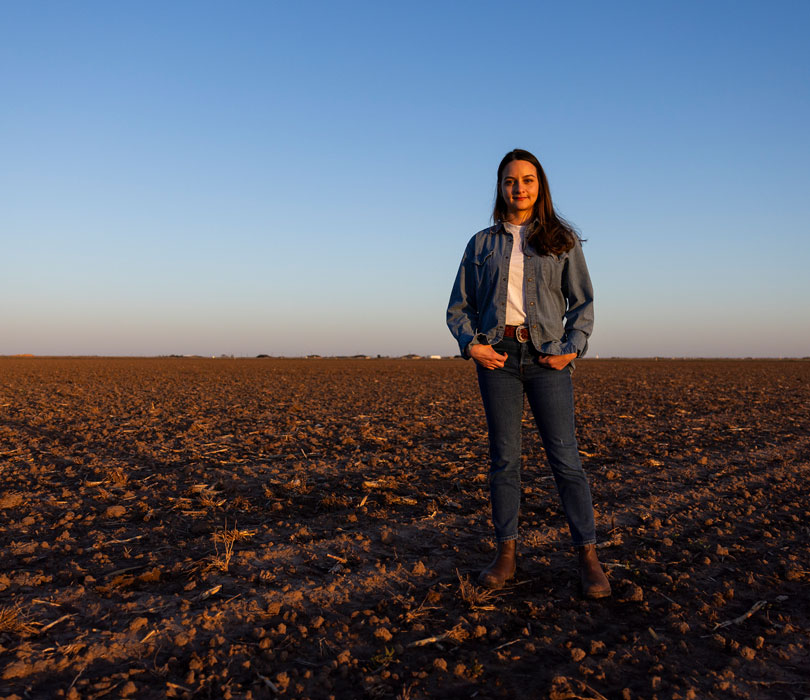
548	233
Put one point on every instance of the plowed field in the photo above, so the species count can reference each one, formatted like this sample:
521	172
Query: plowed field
313	528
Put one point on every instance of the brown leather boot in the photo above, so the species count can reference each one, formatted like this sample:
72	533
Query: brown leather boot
502	568
592	578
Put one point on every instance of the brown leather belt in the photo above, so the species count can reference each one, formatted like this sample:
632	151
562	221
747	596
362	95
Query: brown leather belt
521	333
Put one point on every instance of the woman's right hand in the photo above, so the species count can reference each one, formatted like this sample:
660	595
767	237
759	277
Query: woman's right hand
486	356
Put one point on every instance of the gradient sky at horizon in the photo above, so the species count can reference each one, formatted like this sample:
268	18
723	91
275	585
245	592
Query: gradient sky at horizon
286	178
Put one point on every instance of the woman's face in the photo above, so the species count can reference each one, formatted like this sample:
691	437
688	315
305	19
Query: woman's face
520	188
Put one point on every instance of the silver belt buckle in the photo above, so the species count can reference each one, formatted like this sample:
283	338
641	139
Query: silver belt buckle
522	334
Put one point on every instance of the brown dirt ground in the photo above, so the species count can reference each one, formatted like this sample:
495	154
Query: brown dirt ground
312	528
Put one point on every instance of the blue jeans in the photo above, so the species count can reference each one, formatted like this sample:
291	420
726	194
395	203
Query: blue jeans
551	398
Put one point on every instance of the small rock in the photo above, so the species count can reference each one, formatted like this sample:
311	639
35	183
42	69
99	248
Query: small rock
577	654
479	631
17	669
460	669
597	647
11	500
129	689
138	623
439	664
115	512
748	653
344	657
635	594
419	569
382	633
282	680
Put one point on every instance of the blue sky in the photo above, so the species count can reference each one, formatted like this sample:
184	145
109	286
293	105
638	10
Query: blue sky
291	178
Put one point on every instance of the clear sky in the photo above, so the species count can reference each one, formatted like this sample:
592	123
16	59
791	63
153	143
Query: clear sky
293	178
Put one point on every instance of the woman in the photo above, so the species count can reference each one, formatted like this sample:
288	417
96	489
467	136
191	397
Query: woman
522	308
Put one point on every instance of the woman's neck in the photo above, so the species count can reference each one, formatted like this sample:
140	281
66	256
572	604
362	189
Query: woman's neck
518	218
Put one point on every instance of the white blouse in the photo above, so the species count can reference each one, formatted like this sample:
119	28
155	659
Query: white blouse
516	294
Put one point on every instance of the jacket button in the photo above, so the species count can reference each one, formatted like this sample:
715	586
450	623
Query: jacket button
529	280
531	303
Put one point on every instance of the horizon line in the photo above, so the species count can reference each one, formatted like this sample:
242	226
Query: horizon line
363	356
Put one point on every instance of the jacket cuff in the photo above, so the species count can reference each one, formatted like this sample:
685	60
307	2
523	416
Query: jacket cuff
576	342
477	339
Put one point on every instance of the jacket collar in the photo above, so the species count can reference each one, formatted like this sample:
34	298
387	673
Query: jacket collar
500	228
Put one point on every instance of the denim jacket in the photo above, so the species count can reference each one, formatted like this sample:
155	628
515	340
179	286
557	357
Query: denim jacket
559	296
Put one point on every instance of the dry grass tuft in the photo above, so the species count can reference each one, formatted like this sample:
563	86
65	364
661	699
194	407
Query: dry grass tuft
474	596
12	621
224	540
405	693
117	476
209	496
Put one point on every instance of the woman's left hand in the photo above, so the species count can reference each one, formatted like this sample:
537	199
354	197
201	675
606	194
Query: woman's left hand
556	361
